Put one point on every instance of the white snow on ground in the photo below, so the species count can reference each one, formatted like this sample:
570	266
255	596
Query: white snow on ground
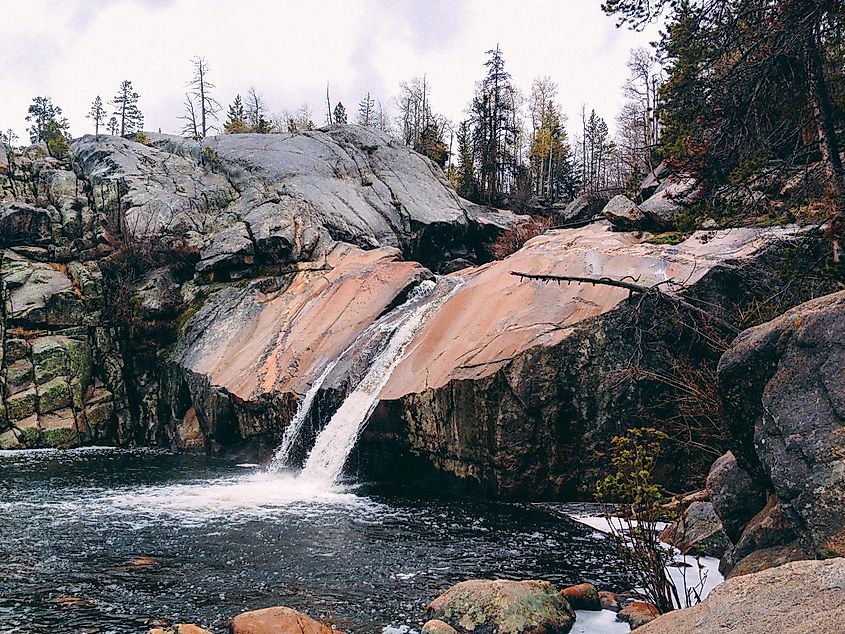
603	622
696	568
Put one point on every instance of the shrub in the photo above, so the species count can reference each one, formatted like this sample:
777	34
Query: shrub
515	238
635	534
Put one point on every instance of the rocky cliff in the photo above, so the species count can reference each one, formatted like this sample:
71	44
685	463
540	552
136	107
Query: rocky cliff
188	294
783	388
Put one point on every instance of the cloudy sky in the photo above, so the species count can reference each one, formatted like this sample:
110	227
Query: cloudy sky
73	50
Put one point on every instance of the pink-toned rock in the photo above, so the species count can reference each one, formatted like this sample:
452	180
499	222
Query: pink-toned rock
179	628
495	315
638	613
609	601
583	596
278	620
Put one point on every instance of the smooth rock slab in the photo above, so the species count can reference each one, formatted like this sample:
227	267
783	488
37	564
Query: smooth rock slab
278	620
503	607
803	597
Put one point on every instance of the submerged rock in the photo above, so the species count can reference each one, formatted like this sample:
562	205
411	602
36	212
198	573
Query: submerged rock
504	607
179	628
805	597
638	613
438	627
278	620
609	601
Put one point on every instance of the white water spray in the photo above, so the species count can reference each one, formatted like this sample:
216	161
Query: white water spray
281	458
336	441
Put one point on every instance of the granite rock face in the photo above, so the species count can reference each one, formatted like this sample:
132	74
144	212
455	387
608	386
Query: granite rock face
61	366
107	254
516	387
805	597
783	385
735	496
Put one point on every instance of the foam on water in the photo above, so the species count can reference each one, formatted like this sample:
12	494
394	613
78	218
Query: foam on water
259	494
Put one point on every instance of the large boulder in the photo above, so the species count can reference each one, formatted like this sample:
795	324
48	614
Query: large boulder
784	392
623	213
503	607
583	208
698	532
805	597
278	620
670	198
735	496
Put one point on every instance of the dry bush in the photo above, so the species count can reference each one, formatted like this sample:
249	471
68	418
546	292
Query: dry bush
514	239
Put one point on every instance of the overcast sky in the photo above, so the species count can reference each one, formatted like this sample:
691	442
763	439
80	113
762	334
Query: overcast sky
73	50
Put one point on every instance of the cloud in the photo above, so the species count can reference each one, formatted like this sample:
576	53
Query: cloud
84	13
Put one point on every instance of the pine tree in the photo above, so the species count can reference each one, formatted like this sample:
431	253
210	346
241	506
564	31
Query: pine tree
467	186
340	114
113	126
236	118
496	131
125	104
366	111
97	114
40	111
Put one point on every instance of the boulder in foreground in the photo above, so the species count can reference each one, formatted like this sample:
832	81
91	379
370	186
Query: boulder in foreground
180	628
278	620
803	597
504	607
583	596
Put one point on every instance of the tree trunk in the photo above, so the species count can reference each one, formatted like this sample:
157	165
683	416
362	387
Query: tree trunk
828	145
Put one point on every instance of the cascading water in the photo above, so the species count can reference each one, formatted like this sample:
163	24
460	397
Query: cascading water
281	458
335	442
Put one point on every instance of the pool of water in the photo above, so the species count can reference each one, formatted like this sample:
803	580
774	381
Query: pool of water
224	538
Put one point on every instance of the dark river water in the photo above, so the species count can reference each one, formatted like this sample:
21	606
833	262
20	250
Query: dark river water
224	539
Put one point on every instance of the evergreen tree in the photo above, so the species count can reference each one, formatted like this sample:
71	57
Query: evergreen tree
125	104
367	111
236	118
339	114
97	114
54	137
749	89
113	126
40	111
467	186
495	130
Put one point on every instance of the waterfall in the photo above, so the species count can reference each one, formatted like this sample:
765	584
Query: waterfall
281	457
335	442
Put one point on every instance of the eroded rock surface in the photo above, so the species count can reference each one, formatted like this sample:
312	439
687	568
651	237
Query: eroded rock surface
783	388
804	597
503	607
